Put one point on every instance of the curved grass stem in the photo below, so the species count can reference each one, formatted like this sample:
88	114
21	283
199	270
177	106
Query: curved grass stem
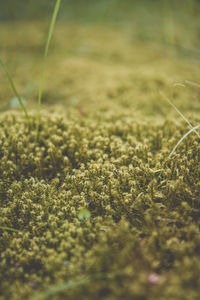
178	111
185	135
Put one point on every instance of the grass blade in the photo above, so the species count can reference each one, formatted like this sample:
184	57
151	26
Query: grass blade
14	88
51	28
9	228
61	287
193	129
178	111
192	83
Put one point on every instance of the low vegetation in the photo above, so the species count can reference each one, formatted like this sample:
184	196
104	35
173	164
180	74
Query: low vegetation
102	205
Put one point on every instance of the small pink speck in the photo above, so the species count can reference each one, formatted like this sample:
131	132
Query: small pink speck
153	278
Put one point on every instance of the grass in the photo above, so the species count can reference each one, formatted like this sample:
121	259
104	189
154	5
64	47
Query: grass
49	36
61	287
184	118
9	229
185	135
14	89
192	83
84	280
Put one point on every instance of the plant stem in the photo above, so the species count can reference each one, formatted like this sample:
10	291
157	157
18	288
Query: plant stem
178	111
9	228
51	27
185	135
14	89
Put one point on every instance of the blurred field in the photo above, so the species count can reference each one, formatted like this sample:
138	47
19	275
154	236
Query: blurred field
170	21
104	53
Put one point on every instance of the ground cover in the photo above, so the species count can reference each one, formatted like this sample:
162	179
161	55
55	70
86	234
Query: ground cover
99	208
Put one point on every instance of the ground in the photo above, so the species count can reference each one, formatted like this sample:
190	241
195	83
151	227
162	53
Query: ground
99	208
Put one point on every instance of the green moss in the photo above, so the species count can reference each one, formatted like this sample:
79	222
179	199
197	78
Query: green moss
144	216
106	153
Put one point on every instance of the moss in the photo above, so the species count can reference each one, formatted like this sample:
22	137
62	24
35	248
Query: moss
144	217
103	147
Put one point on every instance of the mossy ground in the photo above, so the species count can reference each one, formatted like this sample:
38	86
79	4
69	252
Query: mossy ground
105	137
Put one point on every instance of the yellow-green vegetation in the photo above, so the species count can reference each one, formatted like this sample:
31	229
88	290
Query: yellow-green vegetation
144	207
96	208
49	36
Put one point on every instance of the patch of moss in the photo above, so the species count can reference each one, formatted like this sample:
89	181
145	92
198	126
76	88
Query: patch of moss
144	207
103	149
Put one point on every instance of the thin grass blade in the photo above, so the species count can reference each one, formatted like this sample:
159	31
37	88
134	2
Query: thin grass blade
191	130
14	88
51	28
179	84
9	229
178	111
61	287
192	83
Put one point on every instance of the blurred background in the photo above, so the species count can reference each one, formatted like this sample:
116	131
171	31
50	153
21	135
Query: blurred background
175	22
104	53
